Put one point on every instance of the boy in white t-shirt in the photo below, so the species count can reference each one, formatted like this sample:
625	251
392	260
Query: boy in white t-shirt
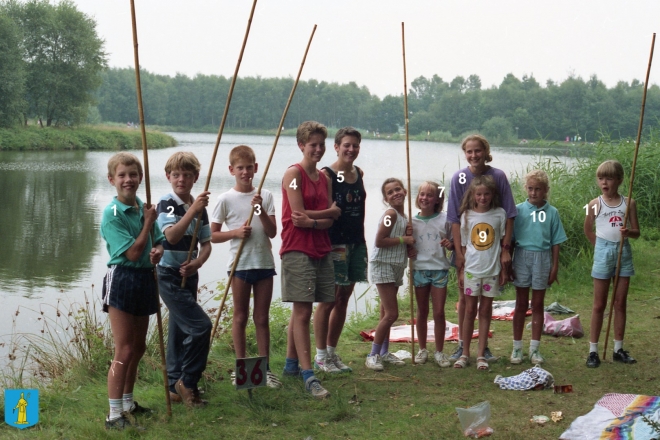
256	267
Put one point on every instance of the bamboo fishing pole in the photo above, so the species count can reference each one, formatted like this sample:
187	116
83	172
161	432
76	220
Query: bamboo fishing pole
193	243
138	90
410	261
261	183
630	189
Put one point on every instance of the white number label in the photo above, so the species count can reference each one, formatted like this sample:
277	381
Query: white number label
387	221
170	209
442	191
483	236
462	179
114	208
586	209
257	209
293	184
340	176
541	216
250	372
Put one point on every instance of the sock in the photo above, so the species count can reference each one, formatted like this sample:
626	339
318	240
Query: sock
291	365
385	347
127	401
331	351
116	408
618	345
306	374
375	349
321	354
593	347
517	345
534	345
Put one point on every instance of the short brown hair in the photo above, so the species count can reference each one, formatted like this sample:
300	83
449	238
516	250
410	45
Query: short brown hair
482	140
610	169
182	161
307	129
123	158
242	152
388	181
347	131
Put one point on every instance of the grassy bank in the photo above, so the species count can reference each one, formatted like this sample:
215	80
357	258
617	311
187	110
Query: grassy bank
412	401
80	138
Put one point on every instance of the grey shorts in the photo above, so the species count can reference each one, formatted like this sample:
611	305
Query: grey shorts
532	268
605	255
306	279
384	273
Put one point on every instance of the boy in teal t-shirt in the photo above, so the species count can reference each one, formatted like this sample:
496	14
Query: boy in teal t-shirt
129	288
538	233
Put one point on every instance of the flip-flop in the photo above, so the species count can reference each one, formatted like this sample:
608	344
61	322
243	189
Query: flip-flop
462	362
482	364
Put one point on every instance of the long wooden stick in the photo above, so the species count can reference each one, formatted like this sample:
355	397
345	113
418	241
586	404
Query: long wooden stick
193	243
159	319
410	261
630	189
261	183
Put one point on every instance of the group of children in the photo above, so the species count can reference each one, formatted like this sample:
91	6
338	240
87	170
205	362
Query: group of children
324	253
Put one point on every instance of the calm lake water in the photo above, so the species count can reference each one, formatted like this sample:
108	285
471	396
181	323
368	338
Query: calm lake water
52	202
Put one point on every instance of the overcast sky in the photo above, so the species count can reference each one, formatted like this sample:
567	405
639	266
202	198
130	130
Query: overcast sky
360	40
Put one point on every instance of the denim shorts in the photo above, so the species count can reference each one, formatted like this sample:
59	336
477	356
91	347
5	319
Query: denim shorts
605	255
532	268
252	276
436	278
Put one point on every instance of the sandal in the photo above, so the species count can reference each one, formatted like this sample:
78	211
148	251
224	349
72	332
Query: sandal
482	364
462	362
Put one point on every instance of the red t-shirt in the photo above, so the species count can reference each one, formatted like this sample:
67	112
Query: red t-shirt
315	243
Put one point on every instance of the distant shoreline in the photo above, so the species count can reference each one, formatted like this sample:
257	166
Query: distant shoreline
92	138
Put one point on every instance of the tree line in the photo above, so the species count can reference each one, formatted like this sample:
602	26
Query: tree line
516	109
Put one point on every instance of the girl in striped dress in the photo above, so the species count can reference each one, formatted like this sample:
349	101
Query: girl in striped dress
386	266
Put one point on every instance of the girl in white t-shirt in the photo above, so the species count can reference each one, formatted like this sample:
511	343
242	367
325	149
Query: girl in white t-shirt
431	231
483	223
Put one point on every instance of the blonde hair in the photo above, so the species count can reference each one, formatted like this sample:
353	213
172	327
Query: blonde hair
182	161
242	152
469	202
540	176
124	158
435	186
307	129
482	140
611	169
388	181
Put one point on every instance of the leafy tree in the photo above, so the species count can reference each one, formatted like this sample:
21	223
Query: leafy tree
64	57
498	129
12	73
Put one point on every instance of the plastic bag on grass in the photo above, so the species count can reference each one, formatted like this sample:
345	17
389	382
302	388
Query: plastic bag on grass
474	420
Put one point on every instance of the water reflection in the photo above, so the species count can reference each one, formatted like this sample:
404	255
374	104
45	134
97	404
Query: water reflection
48	224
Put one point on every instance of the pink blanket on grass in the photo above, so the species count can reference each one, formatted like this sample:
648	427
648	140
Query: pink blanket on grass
401	333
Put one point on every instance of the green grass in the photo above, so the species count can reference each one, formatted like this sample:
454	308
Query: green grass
80	138
410	401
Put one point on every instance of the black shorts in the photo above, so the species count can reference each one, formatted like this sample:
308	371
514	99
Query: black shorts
130	290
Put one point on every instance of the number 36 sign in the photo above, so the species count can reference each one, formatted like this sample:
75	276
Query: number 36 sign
251	372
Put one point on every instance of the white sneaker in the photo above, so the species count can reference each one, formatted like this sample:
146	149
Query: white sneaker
374	363
272	381
326	365
339	364
442	359
422	356
392	359
536	358
516	356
